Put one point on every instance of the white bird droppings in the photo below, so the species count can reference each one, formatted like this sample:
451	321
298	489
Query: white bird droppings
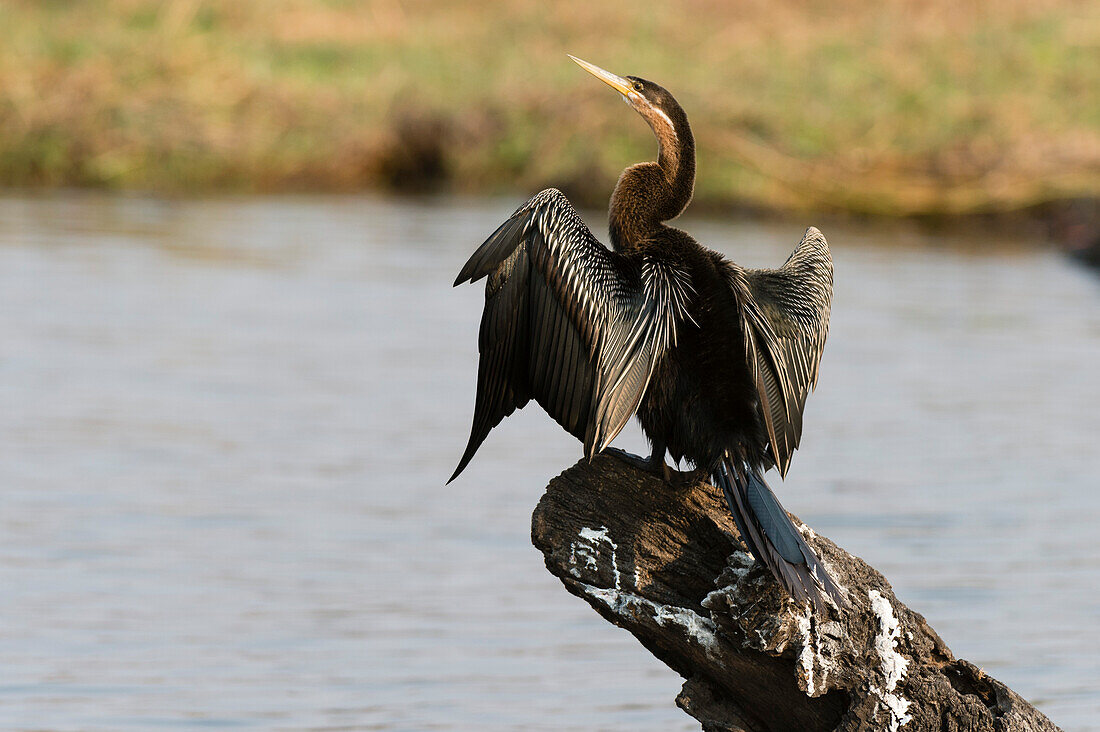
806	657
893	663
701	630
811	661
589	549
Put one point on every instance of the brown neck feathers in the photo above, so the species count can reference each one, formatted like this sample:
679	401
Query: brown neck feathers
650	193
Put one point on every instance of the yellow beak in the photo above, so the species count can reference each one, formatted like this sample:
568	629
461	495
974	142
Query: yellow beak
618	83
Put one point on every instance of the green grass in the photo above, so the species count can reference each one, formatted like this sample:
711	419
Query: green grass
892	108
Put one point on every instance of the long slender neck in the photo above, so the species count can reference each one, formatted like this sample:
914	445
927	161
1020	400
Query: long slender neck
650	193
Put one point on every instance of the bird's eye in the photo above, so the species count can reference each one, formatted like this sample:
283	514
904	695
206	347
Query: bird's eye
637	86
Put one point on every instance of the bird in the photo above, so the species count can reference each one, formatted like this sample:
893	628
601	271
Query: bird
715	360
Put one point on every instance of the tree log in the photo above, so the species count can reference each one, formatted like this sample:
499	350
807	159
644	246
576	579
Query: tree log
665	562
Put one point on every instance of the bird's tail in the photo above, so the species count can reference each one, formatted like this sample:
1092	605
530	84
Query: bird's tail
772	538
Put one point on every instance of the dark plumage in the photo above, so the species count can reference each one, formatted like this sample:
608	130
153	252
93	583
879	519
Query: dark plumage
715	360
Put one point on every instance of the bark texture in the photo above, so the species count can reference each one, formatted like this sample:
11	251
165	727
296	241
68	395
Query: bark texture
665	562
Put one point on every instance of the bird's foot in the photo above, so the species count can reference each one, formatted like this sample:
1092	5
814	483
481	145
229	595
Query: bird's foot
628	457
658	467
693	476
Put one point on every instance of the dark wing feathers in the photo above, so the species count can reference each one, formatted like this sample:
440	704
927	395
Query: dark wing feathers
504	389
786	321
497	248
567	323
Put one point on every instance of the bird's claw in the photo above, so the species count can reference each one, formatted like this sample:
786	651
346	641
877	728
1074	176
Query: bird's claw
649	465
630	458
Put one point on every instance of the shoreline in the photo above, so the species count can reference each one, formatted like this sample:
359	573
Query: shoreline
928	111
1072	225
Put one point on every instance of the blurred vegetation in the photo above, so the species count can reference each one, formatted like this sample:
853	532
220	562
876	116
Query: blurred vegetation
913	107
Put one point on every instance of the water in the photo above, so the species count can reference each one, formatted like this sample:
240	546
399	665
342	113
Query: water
226	425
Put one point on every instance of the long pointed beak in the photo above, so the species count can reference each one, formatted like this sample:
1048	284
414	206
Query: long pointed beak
617	83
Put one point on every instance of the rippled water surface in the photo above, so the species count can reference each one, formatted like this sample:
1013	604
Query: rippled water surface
225	427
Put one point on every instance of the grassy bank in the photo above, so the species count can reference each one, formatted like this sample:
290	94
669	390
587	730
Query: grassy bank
893	108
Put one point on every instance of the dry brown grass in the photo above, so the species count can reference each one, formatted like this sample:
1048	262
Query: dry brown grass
896	108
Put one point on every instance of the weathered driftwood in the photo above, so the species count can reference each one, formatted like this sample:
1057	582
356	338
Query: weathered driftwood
664	563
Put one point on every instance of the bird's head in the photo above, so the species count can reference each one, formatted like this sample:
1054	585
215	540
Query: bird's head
650	100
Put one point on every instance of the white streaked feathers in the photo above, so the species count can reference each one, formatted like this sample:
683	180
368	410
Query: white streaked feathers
567	323
786	313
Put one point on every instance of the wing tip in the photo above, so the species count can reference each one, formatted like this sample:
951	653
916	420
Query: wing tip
469	273
812	232
471	449
458	470
814	240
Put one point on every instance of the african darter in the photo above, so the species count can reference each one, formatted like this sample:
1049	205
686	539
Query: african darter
714	359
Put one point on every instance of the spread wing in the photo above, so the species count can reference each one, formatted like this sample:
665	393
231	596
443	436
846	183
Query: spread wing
567	323
786	320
